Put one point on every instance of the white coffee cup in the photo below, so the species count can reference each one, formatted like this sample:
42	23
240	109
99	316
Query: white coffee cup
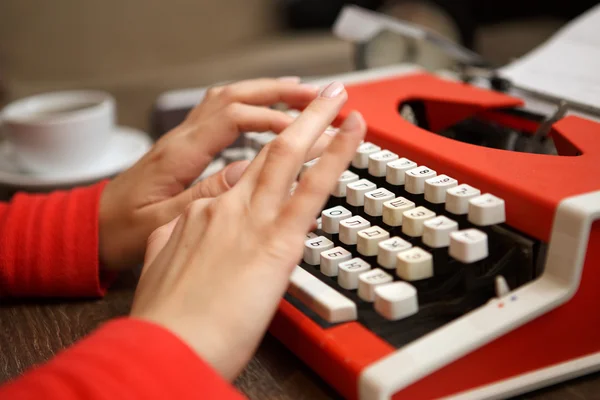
59	132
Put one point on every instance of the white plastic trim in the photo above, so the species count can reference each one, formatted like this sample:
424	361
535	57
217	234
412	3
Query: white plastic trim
533	380
557	284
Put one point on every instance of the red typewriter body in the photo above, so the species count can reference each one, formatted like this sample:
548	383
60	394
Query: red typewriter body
550	330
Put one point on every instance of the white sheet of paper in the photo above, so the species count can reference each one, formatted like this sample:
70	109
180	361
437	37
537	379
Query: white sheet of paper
566	66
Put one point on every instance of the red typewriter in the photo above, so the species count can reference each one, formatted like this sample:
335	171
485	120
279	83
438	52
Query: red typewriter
458	256
454	259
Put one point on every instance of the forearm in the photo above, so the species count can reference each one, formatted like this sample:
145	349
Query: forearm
49	244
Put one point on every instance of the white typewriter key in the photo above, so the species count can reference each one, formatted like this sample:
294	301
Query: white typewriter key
396	300
394	209
374	201
348	272
330	259
414	179
367	281
330	218
457	198
389	249
234	154
436	231
330	304
378	162
368	239
361	158
355	192
340	187
307	165
249	138
264	139
414	264
435	188
469	245
311	235
396	169
486	209
412	220
350	227
313	248
319	223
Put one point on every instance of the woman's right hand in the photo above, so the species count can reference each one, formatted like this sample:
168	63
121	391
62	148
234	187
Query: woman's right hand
216	274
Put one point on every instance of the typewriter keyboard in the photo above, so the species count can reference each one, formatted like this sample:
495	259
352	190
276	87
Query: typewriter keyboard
404	249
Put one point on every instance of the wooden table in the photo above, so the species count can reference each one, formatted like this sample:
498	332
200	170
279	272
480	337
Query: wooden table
32	332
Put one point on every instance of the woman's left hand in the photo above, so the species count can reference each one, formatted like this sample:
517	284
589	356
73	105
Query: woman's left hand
157	188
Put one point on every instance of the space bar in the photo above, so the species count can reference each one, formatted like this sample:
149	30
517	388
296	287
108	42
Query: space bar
329	304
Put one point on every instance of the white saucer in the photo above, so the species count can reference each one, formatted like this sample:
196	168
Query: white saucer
126	147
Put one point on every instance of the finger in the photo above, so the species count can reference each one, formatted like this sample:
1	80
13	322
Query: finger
212	186
316	184
242	118
157	241
267	92
246	118
287	153
253	171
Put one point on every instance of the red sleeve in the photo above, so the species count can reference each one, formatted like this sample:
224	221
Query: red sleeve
124	359
49	244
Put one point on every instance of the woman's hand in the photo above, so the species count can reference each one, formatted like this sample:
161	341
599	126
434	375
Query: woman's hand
156	189
215	275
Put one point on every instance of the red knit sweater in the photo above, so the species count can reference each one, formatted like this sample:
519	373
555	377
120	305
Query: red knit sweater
49	247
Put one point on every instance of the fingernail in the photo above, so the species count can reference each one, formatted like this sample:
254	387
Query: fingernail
332	90
291	79
314	88
331	131
234	172
352	122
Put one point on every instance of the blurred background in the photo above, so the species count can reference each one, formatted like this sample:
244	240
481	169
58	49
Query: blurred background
138	49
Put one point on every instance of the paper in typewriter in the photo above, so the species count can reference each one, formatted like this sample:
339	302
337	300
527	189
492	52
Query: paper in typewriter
566	66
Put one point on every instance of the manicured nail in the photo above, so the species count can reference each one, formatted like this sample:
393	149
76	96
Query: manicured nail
332	90
352	122
234	172
291	79
313	87
332	131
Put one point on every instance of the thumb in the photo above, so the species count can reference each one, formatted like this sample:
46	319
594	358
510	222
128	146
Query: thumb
220	182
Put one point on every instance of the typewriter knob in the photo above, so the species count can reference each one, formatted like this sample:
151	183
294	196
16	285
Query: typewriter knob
502	288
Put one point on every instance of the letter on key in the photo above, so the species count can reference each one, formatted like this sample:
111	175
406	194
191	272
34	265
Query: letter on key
378	162
350	227
414	264
396	169
330	259
361	158
457	198
413	220
340	187
393	210
367	281
486	209
349	271
313	248
330	218
355	192
436	231
414	180
389	249
468	245
374	201
368	239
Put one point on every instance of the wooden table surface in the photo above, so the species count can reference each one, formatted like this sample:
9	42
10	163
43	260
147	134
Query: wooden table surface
32	332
